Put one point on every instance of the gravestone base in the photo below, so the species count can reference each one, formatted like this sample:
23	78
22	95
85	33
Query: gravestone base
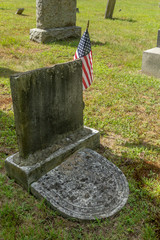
86	186
27	171
151	62
50	35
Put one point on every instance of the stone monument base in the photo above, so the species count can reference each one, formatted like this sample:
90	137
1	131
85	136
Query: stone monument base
50	35
27	171
151	62
86	186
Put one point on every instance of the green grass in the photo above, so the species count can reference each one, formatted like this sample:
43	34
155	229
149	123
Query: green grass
122	103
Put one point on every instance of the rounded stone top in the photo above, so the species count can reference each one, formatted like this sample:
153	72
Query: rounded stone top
86	186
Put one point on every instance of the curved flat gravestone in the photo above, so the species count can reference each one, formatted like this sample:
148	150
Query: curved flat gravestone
86	186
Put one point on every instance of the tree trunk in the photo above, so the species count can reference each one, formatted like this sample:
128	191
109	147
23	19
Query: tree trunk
110	8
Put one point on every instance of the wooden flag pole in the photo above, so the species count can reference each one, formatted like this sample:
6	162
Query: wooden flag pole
88	25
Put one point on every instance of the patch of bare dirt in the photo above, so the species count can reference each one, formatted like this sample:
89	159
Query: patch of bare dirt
5	102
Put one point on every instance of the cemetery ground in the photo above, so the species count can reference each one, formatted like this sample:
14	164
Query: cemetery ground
122	103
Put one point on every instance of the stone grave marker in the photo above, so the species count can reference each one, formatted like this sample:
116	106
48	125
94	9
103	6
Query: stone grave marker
151	60
48	110
19	11
86	186
56	19
55	161
110	8
158	39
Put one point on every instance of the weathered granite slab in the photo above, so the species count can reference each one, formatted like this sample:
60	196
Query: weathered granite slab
151	62
56	20
48	105
26	171
86	186
54	34
55	13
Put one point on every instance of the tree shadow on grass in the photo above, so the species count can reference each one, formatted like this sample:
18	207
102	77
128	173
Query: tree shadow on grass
97	43
142	168
142	144
6	72
23	15
72	42
125	19
138	170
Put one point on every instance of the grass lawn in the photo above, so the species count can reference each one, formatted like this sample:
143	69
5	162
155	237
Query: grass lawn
122	103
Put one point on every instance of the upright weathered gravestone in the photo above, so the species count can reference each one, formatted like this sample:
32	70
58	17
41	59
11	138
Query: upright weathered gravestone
47	104
151	60
55	161
110	8
56	19
48	110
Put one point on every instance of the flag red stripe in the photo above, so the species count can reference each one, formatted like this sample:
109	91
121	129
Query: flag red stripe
75	56
85	79
89	68
84	83
91	62
85	68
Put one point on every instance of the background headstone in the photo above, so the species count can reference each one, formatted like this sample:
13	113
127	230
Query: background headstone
158	39
77	10
56	19
151	60
55	13
110	8
20	11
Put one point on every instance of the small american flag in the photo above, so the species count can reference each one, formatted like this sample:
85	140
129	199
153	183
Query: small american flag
84	52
